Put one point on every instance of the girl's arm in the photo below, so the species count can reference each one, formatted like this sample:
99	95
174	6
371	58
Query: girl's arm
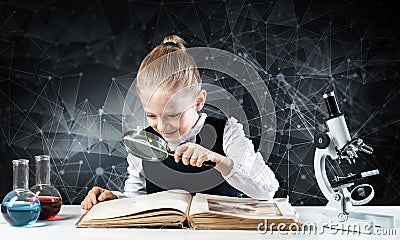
249	174
135	184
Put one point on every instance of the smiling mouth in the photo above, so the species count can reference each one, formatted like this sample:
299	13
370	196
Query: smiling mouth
170	133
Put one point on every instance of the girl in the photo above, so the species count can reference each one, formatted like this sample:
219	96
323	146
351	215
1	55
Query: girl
169	87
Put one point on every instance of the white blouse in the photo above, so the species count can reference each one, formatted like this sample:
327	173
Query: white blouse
249	174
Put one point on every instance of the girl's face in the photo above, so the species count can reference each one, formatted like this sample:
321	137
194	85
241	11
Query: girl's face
171	113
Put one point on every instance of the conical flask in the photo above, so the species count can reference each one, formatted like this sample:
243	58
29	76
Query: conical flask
20	207
49	197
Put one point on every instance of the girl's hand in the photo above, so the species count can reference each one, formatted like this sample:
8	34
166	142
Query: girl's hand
95	195
195	155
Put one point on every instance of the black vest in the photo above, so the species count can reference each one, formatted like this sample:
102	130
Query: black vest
168	174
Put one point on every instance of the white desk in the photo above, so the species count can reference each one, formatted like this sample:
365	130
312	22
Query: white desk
63	227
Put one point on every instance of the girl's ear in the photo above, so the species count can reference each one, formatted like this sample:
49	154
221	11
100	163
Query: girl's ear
201	100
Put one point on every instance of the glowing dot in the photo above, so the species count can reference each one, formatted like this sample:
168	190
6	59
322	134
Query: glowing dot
62	172
80	162
303	176
280	77
99	171
288	146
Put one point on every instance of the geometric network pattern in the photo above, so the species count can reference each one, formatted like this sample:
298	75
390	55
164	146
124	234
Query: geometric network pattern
65	70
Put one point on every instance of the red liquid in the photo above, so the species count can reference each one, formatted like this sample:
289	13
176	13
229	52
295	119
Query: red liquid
50	206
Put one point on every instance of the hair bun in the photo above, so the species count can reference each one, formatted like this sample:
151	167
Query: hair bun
174	41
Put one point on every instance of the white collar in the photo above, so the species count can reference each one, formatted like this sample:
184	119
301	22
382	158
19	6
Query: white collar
191	135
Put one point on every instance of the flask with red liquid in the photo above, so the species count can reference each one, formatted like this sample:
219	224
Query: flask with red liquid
49	197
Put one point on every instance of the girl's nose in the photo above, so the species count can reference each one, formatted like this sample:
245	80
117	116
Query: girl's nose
162	125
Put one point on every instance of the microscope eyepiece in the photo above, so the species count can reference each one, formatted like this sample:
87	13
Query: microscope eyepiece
331	104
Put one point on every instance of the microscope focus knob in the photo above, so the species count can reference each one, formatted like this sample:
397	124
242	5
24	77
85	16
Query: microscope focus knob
321	140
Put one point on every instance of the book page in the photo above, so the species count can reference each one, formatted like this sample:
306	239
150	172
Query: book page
175	199
241	207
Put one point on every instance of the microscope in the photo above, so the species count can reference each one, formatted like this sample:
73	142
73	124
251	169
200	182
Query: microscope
336	145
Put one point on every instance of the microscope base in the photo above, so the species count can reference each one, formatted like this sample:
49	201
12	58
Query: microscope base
362	222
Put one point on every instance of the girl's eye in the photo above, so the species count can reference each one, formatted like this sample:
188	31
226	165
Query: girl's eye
168	116
173	115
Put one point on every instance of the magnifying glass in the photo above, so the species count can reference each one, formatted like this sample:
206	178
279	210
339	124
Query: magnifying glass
149	147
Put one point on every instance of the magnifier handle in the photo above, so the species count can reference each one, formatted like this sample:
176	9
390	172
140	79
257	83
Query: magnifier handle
205	163
209	163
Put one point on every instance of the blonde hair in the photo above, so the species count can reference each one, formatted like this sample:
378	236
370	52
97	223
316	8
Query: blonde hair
169	67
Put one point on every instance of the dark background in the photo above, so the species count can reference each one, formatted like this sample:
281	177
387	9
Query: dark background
66	67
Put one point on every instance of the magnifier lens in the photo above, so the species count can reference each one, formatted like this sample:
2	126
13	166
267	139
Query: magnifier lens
145	145
149	147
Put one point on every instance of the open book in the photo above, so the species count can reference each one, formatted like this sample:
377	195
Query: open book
177	208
